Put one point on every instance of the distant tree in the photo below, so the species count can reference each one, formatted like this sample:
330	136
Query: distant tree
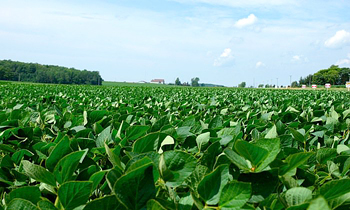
295	84
306	80
194	82
344	75
333	75
185	84
261	86
177	81
30	72
242	85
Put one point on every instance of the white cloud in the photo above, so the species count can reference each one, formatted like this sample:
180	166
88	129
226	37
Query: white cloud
344	62
259	64
340	38
224	58
250	20
299	58
242	3
226	53
296	58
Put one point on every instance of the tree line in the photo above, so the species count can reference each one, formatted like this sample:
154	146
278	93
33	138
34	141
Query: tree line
33	72
194	82
333	75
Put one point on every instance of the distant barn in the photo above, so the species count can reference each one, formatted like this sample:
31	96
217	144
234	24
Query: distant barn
158	81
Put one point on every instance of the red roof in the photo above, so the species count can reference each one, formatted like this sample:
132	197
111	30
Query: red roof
157	80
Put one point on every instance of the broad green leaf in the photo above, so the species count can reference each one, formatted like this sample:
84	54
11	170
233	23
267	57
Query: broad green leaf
202	140
346	113
197	175
234	195
318	204
146	143
96	178
210	155
216	122
104	137
6	148
112	176
298	195
113	156
272	133
336	202
167	141
74	193
18	156
341	148
176	166
67	165
21	204
238	160
289	181
183	132
109	202
212	184
85	116
251	152
59	151
46	205
18	106
155	205
160	123
139	163
28	193
97	115
325	154
295	160
136	131
297	135
136	187
186	202
38	173
346	167
7	162
273	148
292	109
335	188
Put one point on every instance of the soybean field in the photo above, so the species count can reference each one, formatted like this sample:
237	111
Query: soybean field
66	147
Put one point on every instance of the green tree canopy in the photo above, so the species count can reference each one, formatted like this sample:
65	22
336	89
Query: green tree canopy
195	82
242	85
33	72
177	81
333	75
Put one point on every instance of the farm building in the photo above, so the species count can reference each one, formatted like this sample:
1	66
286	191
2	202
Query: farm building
158	81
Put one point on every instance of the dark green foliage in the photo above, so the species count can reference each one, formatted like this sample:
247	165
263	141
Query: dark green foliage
88	147
33	72
194	82
242	85
333	75
177	81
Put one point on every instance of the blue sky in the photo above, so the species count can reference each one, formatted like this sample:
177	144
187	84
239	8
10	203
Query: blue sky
219	41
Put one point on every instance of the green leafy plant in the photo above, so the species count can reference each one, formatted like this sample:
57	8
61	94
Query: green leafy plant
178	148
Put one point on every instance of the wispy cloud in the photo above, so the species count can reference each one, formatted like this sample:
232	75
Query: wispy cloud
224	58
299	58
259	64
340	39
242	3
250	20
344	62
